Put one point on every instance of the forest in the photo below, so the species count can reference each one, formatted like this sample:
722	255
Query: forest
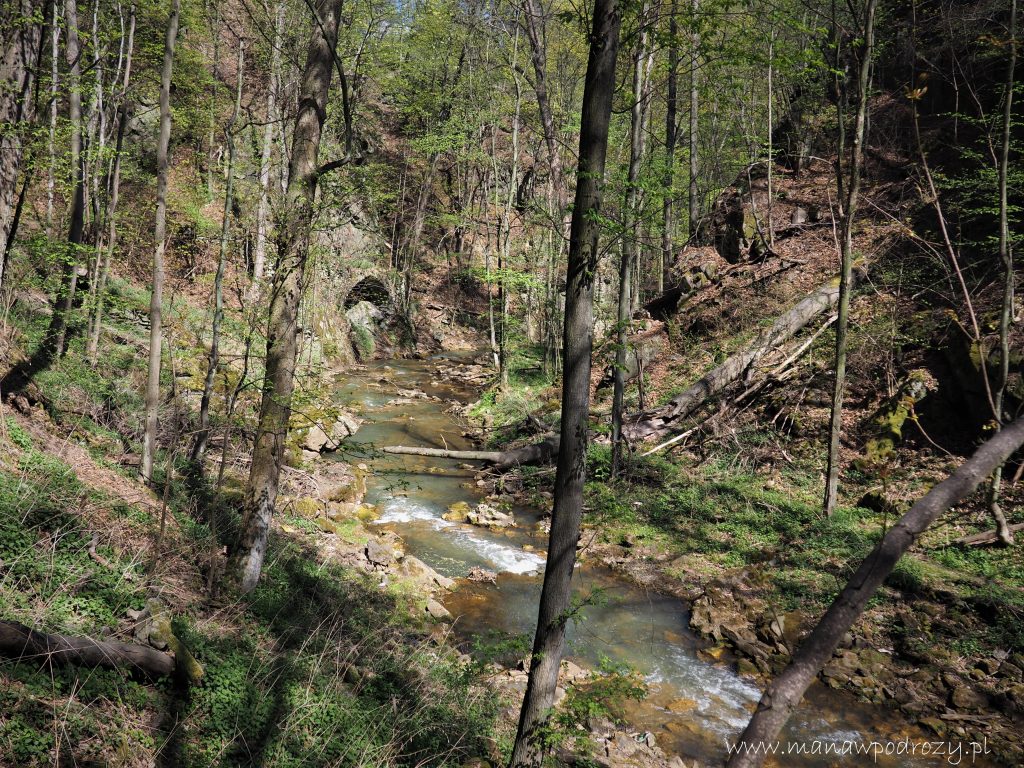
511	383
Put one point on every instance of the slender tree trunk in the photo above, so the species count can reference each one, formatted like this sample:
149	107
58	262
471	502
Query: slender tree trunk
98	138
846	275
211	154
160	243
513	182
671	132
96	326
203	434
786	690
51	171
57	333
629	239
533	18
694	204
1006	258
288	282
263	209
584	238
20	44
771	124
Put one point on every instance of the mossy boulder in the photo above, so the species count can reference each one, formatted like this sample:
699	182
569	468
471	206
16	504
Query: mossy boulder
458	512
888	422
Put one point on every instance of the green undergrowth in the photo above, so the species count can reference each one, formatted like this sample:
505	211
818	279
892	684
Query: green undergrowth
707	519
318	666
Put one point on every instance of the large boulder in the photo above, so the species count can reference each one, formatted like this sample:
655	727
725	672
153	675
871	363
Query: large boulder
490	517
321	440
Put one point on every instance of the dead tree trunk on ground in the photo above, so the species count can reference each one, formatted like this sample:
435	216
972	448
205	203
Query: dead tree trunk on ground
20	642
535	453
658	422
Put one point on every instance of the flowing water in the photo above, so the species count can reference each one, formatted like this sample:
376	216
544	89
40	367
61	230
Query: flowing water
693	706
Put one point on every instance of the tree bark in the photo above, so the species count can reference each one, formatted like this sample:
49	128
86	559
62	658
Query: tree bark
846	278
20	642
56	337
51	178
658	422
19	53
786	690
92	346
213	361
629	239
671	133
159	238
288	283
1006	259
260	250
584	238
533	18
694	205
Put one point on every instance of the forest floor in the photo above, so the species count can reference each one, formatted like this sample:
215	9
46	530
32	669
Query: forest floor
730	518
320	663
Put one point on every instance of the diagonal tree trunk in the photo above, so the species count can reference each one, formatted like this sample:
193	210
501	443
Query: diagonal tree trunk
286	292
660	421
584	239
786	690
159	238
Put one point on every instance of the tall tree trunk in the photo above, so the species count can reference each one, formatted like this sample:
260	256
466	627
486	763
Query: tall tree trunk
786	690
584	238
92	346
57	333
263	209
211	154
694	203
19	53
506	226
533	18
771	130
160	243
671	132
289	275
846	276
1006	258
629	239
203	434
51	171
97	137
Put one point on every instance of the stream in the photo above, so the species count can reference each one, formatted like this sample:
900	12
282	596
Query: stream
693	706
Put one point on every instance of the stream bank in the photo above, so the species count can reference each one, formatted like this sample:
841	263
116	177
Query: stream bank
486	581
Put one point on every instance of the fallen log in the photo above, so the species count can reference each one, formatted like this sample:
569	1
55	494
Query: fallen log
658	422
20	642
535	453
985	537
